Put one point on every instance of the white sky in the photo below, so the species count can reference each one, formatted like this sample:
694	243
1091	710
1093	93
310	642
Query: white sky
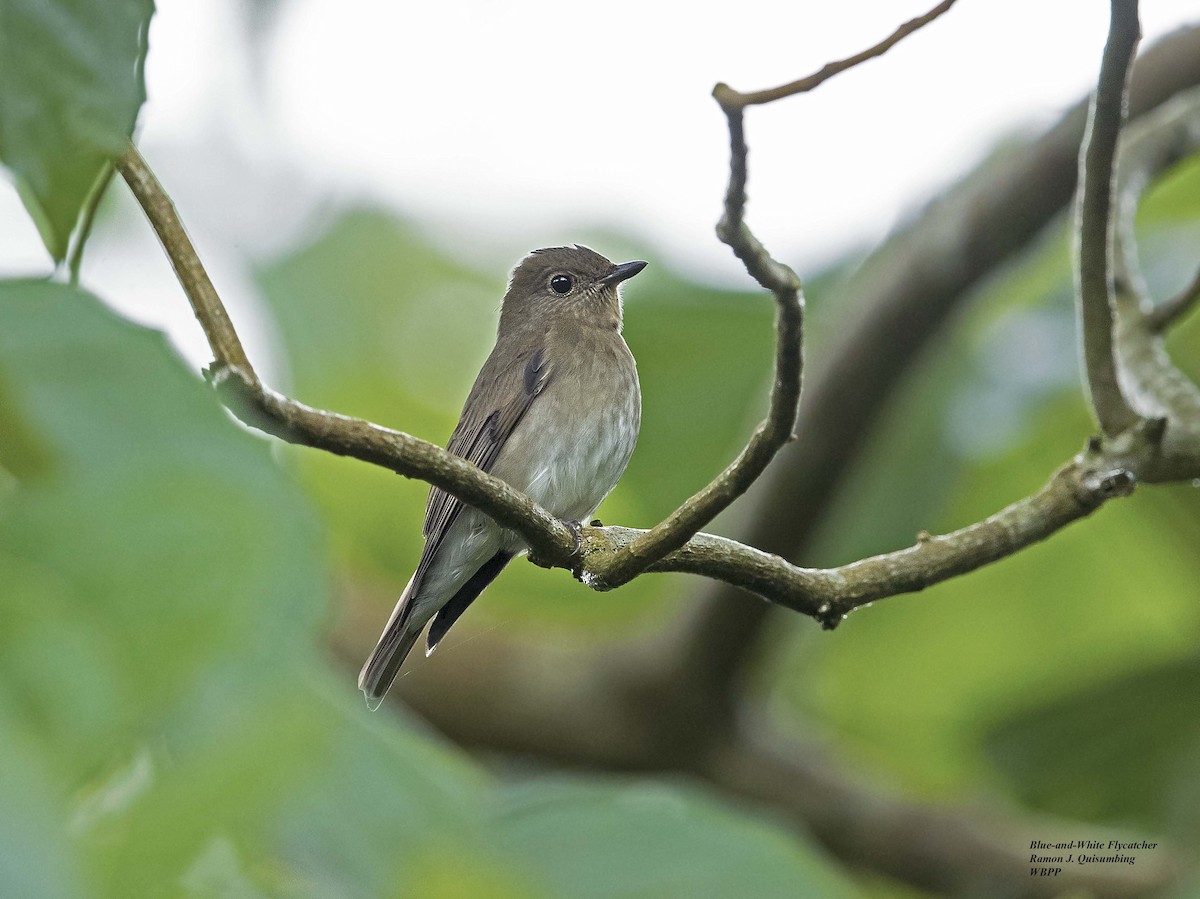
506	126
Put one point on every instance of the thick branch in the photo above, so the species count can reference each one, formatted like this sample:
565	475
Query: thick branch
1094	226
828	594
731	99
948	849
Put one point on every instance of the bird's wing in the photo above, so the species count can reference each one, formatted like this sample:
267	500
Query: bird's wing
481	433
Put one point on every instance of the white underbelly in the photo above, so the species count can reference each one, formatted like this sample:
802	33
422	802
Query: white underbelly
568	460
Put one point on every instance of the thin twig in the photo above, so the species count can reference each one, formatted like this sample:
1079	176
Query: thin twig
1149	147
87	221
776	430
731	99
206	304
1168	312
1094	276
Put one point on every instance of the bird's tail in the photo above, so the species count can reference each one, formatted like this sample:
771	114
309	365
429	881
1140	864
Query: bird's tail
394	644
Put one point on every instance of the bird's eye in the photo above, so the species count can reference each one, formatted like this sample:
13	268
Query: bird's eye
561	284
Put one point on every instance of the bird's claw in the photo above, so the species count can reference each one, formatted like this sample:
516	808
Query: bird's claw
576	529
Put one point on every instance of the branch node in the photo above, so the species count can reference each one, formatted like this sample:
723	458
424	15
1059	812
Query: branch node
829	616
1153	430
1098	486
590	579
728	98
731	99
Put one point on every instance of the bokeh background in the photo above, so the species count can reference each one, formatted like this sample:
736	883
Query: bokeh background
185	604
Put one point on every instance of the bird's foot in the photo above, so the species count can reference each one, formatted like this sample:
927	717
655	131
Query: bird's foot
576	528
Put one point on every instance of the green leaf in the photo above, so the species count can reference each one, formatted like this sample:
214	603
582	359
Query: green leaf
35	853
652	841
71	85
171	726
1124	750
162	588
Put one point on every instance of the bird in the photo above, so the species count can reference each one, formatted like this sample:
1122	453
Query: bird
554	412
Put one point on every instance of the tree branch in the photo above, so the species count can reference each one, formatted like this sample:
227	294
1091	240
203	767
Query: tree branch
262	408
1155	387
775	431
731	99
206	303
608	556
825	595
1094	280
897	303
1168	312
947	849
594	715
1148	148
829	594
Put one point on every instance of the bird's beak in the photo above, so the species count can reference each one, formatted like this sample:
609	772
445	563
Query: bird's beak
622	272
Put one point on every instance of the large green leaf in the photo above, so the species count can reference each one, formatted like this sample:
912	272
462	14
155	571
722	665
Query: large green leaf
650	841
170	722
161	691
161	580
71	86
1126	749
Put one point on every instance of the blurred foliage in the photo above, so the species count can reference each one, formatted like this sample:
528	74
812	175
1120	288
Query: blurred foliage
165	608
171	724
1064	676
1161	787
71	86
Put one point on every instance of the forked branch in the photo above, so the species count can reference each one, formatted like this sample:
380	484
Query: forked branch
731	99
612	555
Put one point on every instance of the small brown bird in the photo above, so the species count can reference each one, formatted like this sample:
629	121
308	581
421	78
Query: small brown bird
554	412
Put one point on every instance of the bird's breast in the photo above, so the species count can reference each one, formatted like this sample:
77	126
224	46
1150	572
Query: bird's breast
575	441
